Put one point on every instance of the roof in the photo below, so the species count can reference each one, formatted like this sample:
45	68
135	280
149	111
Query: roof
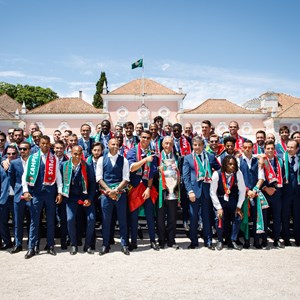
252	104
135	87
66	106
218	106
292	112
9	104
4	115
287	101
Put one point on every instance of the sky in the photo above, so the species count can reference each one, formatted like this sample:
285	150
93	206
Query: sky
229	49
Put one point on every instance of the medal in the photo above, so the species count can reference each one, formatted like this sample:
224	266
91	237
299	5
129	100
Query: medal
228	191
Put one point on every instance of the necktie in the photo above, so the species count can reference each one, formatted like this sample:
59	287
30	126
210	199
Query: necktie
293	161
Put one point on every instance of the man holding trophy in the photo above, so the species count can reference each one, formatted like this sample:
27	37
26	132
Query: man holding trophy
167	200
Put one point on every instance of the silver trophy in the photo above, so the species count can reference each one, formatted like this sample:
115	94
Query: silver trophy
171	177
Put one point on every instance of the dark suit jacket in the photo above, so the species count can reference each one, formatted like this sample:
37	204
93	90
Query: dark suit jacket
15	172
190	178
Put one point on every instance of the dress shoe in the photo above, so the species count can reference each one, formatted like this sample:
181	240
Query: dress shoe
46	248
16	249
51	250
264	245
73	250
210	246
246	244
125	250
132	246
64	247
192	246
112	241
37	250
239	243
162	246
287	243
104	250
257	245
234	245
174	246
7	246
219	246
278	244
30	253
88	250
154	246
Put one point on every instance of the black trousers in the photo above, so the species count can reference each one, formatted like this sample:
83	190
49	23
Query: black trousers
166	231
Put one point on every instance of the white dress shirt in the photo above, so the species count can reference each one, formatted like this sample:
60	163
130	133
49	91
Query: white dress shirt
214	188
113	159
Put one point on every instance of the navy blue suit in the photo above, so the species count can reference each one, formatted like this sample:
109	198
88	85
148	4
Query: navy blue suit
15	172
75	194
291	204
275	204
5	206
135	179
201	190
113	175
42	195
86	146
251	178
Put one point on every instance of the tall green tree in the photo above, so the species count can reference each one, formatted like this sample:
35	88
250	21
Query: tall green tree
98	101
33	96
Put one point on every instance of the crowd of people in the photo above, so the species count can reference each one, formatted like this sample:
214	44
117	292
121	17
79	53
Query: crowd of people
245	192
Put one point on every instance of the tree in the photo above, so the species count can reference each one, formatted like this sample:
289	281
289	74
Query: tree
33	96
98	101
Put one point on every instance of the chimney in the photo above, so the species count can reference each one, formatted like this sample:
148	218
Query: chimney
180	90
80	94
104	88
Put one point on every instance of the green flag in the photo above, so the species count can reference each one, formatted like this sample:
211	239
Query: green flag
137	64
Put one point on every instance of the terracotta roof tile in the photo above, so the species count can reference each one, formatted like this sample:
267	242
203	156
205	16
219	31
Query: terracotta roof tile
218	106
66	106
9	104
292	112
4	115
151	87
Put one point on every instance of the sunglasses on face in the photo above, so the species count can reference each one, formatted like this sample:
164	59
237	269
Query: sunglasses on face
2	140
247	147
23	149
146	137
10	133
11	154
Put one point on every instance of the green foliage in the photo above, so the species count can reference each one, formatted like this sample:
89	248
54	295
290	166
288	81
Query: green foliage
33	96
98	101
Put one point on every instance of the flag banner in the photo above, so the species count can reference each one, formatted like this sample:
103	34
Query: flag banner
137	64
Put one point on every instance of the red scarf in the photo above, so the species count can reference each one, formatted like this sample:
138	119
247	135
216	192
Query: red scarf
145	174
185	147
271	176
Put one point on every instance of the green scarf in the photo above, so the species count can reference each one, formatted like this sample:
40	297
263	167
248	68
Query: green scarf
67	176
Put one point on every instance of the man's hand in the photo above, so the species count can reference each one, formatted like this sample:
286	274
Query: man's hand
220	213
27	196
58	199
238	212
192	197
86	203
146	194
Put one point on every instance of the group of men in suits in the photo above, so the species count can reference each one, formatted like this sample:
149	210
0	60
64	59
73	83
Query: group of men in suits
223	184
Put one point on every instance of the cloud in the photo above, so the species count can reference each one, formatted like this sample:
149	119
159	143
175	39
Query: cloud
164	67
16	74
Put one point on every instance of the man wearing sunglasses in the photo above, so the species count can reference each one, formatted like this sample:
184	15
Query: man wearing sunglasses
21	206
10	135
6	201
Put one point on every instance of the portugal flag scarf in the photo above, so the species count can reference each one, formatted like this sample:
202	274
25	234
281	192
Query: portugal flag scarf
34	166
67	176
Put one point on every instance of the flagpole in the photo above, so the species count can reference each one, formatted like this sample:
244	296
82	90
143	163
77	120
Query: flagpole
143	79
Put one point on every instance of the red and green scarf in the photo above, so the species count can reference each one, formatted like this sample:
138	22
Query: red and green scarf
282	145
185	147
271	176
203	171
67	176
145	174
34	166
257	149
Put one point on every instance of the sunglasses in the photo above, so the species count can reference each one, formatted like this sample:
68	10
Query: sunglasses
2	140
14	153
213	142
23	149
10	133
247	147
146	138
